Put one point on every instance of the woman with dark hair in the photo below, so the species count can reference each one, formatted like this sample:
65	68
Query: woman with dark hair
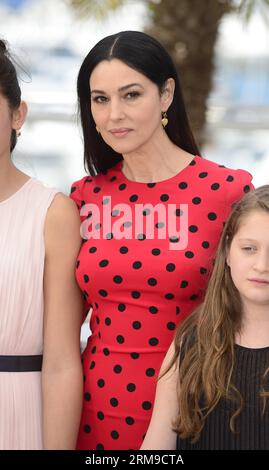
213	388
152	213
40	305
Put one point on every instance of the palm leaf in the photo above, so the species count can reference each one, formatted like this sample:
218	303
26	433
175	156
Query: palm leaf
97	9
246	8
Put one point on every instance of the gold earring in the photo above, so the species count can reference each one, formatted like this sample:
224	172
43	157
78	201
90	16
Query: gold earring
18	133
98	130
164	119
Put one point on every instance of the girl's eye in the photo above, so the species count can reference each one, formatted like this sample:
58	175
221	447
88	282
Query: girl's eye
249	248
132	94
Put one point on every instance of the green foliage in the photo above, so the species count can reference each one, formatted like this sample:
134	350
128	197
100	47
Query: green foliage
97	9
246	8
101	8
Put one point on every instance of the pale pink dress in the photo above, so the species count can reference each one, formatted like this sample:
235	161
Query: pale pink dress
22	218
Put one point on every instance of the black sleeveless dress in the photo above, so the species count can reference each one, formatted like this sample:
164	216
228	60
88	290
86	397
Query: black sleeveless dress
252	427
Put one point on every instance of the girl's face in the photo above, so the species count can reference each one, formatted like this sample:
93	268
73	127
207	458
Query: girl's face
5	127
9	120
126	106
248	259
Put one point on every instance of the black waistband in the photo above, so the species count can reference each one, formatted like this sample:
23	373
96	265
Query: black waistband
20	363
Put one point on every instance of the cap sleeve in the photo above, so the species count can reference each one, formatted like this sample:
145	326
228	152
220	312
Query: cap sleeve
240	184
76	192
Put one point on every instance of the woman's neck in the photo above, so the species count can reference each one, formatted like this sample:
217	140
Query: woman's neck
156	161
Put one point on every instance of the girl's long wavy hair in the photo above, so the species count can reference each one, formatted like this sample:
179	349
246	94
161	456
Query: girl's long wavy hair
204	342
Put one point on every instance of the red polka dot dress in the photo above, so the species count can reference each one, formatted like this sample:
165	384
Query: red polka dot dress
140	286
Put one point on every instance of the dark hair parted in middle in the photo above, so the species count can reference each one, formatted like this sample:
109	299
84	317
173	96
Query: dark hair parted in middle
147	56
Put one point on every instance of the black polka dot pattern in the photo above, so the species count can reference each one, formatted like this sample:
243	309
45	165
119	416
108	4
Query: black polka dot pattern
140	287
87	428
129	420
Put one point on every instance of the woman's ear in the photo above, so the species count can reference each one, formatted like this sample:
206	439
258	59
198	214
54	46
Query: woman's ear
19	115
167	94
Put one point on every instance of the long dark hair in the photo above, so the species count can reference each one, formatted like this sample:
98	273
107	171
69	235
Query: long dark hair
204	342
9	85
146	55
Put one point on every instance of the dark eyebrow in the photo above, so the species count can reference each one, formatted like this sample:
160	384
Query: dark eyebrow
123	88
129	86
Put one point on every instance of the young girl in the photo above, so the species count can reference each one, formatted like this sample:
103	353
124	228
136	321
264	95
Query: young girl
40	305
215	391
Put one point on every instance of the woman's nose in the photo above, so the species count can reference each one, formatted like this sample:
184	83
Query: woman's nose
116	110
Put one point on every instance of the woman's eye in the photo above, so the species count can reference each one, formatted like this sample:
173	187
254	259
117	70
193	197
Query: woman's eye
132	94
100	99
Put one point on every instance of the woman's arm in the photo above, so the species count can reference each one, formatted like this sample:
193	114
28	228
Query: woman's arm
61	371
160	434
